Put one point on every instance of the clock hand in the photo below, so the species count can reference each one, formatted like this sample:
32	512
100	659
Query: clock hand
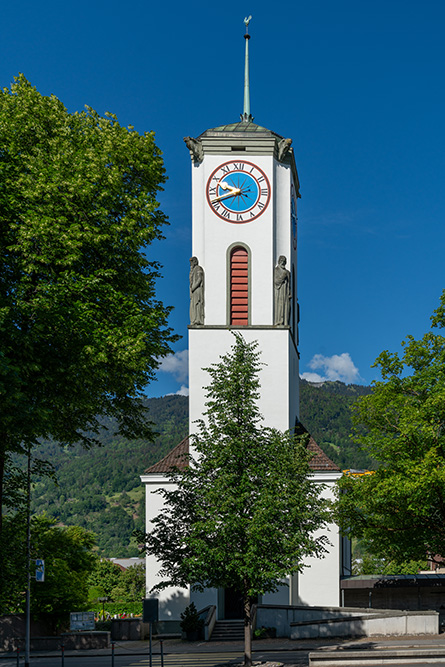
233	192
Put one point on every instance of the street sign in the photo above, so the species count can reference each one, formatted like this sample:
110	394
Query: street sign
40	569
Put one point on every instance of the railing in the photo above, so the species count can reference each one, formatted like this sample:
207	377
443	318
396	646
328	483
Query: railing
208	614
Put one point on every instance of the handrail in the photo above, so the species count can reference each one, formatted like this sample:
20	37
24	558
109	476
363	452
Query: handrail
209	620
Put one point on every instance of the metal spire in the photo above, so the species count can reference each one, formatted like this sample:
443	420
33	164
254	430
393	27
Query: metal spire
246	116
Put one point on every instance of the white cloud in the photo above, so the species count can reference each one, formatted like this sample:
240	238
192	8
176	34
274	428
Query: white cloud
178	365
184	391
338	367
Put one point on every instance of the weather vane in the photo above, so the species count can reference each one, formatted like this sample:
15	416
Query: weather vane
247	20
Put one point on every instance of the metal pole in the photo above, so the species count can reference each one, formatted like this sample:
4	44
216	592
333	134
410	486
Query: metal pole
112	654
28	562
18	657
162	653
63	654
149	642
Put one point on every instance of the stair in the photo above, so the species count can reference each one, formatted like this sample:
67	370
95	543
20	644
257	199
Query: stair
228	630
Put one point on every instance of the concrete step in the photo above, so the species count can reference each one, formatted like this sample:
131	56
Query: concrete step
228	630
344	657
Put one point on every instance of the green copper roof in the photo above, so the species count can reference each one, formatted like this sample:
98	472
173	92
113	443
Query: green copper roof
242	127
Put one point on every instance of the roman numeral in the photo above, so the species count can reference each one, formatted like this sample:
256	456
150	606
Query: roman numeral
216	206
252	215
225	168
225	214
212	191
264	193
239	218
261	178
260	205
239	166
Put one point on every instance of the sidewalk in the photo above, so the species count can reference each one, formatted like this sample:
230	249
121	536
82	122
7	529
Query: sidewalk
275	645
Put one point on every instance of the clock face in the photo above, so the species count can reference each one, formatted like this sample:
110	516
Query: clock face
238	192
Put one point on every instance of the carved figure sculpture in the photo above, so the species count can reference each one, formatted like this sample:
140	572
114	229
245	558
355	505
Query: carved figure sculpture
195	148
283	148
282	292
196	292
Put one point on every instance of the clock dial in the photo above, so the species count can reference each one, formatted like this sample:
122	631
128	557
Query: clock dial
238	191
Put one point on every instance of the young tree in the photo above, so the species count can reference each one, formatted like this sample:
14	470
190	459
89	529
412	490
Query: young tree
81	331
399	510
245	511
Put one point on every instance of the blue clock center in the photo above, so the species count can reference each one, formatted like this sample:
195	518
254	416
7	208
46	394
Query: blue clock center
239	191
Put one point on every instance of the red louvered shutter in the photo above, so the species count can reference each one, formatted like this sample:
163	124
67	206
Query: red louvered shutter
239	287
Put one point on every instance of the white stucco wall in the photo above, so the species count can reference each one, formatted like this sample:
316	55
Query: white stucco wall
319	583
172	600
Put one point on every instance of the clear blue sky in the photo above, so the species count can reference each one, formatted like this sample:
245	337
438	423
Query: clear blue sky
358	86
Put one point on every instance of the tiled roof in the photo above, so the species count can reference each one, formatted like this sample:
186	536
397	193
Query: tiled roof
177	458
320	461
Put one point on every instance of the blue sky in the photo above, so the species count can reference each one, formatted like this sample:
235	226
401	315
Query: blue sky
358	86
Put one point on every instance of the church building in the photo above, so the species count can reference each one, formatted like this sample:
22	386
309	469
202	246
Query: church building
243	277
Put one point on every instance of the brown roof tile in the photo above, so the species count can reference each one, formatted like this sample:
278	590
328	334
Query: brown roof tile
320	461
177	458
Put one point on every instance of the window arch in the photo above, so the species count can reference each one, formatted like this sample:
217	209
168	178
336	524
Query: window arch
238	286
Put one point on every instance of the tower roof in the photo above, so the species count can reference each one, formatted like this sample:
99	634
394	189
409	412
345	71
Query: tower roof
240	129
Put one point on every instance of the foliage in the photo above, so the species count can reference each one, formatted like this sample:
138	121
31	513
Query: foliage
190	620
371	564
244	513
131	586
399	511
68	559
121	609
81	331
105	576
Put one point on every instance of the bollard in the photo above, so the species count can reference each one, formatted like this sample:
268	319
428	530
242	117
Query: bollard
18	656
63	654
162	653
112	654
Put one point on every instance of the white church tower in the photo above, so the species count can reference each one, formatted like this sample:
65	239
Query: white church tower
244	206
243	277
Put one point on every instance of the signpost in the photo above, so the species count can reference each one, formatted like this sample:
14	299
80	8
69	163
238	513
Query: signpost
150	615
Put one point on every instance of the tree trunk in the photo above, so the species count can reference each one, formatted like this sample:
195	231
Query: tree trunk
247	632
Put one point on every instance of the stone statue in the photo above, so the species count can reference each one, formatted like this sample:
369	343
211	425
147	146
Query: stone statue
196	292
283	148
282	292
195	148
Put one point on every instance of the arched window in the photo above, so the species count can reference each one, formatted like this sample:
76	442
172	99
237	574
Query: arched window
239	287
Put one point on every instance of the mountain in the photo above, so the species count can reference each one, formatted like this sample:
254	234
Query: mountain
100	488
325	410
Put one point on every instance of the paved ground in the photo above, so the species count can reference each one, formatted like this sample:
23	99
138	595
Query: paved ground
288	652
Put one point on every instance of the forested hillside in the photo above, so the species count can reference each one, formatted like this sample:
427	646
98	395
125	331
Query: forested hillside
325	410
100	489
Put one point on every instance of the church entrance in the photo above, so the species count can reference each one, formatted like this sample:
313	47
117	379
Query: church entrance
233	604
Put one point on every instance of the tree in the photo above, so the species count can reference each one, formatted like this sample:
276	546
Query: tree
244	512
106	575
81	332
399	510
68	559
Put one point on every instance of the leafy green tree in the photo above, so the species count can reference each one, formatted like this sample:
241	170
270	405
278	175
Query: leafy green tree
399	510
244	513
68	559
106	575
81	331
131	586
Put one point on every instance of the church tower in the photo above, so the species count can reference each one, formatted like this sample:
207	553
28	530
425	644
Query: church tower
243	278
243	274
